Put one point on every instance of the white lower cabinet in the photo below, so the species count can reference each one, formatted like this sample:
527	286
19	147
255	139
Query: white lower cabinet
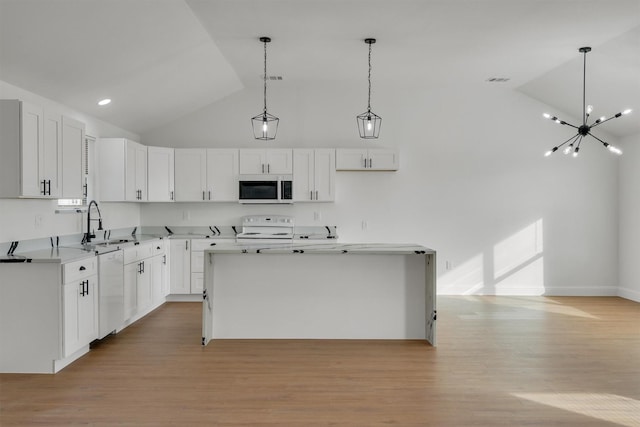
80	301
137	281
180	262
80	305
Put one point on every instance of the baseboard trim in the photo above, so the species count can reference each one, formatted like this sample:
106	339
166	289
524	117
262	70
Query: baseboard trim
630	294
601	291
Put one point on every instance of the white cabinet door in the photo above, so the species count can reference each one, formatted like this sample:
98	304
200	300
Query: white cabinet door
324	175
351	158
80	318
88	312
279	161
180	266
159	280
72	141
144	295
252	161
52	154
381	159
130	290
190	174
32	128
314	175
160	174
275	161
303	175
136	172
222	175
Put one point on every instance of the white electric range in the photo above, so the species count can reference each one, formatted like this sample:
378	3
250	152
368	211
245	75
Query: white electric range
266	229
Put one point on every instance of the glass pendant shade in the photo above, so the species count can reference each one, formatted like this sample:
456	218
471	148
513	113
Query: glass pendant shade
265	126
369	125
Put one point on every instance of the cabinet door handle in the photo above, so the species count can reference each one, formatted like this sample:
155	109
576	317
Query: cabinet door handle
87	287
186	245
263	168
268	168
142	266
310	195
316	194
164	259
170	195
44	188
370	162
209	194
84	190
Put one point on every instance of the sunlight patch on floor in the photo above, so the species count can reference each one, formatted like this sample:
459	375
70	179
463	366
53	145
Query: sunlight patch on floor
607	407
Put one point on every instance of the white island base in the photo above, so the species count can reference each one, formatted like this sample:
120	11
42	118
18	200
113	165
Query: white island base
319	292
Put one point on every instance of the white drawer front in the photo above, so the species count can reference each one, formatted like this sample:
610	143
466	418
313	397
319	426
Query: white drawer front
138	252
80	269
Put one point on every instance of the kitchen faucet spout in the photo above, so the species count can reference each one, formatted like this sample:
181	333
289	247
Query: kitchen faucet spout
88	236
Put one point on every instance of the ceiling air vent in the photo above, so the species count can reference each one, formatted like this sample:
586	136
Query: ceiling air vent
498	79
270	78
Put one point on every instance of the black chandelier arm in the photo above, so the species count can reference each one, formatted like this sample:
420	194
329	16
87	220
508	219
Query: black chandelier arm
573	138
606	144
599	122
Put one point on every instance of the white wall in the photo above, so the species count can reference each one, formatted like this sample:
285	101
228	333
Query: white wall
32	219
473	182
629	226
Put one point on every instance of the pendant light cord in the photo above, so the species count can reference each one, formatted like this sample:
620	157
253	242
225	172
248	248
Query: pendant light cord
265	77
584	90
369	78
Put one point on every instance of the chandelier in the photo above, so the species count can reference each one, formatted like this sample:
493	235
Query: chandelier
584	129
369	122
264	124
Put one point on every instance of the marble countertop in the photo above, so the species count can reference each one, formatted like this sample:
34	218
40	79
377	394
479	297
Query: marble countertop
60	255
321	248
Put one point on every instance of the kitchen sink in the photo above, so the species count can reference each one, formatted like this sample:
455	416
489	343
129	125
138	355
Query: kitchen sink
113	242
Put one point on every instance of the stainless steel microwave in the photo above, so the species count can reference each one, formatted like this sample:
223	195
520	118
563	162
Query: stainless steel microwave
265	189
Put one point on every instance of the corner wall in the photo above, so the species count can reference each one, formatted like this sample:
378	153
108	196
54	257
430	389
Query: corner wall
629	222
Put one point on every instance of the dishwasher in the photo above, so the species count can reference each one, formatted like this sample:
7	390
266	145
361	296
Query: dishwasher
110	292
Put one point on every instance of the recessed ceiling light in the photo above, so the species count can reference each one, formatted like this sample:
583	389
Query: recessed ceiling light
104	102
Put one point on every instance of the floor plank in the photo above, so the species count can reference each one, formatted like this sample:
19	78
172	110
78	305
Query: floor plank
500	361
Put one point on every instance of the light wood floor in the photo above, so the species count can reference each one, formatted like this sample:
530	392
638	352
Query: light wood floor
500	361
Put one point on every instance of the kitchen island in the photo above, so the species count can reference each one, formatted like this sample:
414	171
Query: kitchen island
319	291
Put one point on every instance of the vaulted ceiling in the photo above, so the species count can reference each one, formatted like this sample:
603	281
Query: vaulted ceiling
162	59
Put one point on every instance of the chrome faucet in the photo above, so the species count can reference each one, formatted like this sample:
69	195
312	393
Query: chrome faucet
88	236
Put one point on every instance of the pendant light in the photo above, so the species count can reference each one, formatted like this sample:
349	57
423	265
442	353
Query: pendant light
584	129
265	125
369	122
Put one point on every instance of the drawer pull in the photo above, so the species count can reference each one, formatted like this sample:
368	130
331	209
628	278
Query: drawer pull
82	268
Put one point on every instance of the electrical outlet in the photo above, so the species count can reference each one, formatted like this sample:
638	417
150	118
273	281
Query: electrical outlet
448	265
186	215
317	216
38	221
364	225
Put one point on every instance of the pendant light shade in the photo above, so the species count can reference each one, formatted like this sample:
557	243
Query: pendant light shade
585	128
369	122
265	125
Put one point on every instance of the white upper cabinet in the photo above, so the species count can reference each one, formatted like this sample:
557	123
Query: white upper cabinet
274	161
122	168
72	141
191	174
206	175
222	175
160	174
373	159
313	175
40	152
